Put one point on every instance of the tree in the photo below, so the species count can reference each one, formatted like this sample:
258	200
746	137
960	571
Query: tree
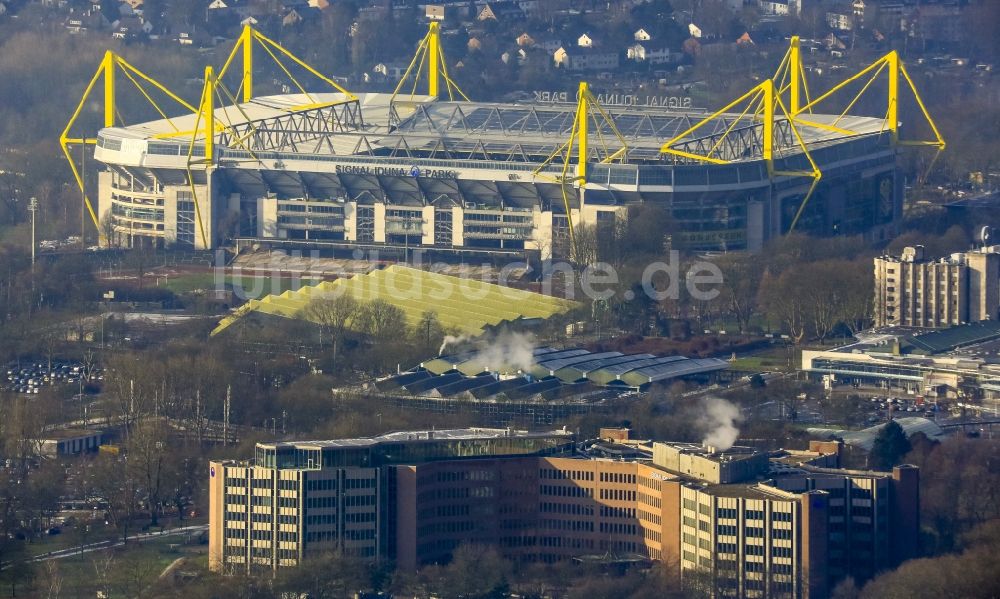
335	316
428	332
889	447
381	320
741	278
330	575
475	572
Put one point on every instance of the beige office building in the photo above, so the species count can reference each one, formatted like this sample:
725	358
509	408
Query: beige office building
746	523
911	290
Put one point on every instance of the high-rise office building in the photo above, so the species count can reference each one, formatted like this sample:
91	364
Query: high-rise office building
912	290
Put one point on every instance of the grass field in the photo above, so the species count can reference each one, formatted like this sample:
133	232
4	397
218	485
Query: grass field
254	287
127	571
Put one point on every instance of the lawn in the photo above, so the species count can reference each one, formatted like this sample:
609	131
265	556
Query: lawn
254	287
120	572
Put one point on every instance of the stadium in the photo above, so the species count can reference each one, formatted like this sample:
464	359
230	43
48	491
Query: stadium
396	172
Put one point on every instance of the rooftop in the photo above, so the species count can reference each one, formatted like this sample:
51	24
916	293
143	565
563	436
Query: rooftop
425	127
457	434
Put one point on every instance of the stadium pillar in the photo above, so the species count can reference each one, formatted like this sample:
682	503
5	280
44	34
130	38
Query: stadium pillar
433	58
794	69
108	66
581	131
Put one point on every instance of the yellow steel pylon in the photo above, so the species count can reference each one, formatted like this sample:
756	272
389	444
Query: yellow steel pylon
430	57
111	65
587	109
244	48
764	104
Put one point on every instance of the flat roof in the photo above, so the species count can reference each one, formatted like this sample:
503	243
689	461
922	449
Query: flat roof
456	434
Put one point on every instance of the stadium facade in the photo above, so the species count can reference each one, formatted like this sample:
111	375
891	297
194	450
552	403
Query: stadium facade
456	175
441	172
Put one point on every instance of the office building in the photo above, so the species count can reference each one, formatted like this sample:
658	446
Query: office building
914	291
753	524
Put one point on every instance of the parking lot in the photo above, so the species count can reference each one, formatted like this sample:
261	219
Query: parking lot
31	377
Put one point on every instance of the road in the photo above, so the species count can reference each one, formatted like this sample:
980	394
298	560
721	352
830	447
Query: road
81	549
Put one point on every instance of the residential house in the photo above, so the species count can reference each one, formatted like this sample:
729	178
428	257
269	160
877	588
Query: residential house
780	8
840	21
500	11
298	15
694	30
744	40
218	5
641	35
319	4
586	59
649	53
549	43
525	40
585	41
128	28
390	70
474	44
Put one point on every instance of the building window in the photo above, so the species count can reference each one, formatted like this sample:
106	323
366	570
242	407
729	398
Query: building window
185	219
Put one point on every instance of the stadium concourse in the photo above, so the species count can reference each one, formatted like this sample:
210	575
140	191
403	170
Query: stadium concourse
462	305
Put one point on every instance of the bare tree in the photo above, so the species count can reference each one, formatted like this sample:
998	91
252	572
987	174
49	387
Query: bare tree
335	316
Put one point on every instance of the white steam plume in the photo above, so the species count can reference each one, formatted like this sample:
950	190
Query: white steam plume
719	422
452	340
515	350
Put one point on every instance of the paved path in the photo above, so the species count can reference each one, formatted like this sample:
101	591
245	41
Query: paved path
81	549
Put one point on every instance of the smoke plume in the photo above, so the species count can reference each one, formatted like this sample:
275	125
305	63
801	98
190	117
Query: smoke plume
719	423
514	350
452	340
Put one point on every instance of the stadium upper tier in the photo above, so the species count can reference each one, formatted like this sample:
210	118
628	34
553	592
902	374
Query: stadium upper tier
325	125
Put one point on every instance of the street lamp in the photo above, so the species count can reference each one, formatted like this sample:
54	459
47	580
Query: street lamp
33	208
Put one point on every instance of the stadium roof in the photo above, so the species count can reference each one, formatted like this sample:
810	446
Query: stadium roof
425	127
464	305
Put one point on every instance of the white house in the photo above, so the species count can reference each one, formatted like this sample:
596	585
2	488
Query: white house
586	59
561	57
641	35
839	21
640	52
217	5
585	41
780	7
694	30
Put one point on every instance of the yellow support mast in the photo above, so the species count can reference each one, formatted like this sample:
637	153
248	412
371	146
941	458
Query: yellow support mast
108	66
578	146
433	51
429	59
892	114
208	114
246	41
794	68
581	133
108	69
